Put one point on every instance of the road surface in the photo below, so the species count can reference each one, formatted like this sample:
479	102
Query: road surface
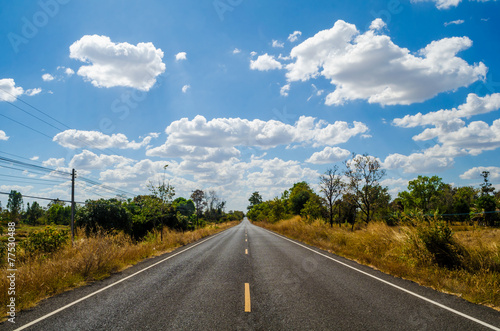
247	278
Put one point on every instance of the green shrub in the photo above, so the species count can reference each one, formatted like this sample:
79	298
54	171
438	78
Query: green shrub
47	241
438	240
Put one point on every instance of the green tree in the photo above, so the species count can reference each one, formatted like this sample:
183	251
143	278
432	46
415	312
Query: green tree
254	200
34	213
463	200
332	187
198	197
57	214
313	208
164	193
364	173
108	215
423	193
299	194
183	206
15	205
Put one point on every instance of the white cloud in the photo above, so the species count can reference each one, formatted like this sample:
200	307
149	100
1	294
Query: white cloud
8	90
456	137
69	71
474	105
329	155
377	24
54	163
253	53
3	135
181	56
93	139
34	158
88	161
417	163
370	66
475	173
118	64
47	77
294	36
198	136
185	88
32	92
456	22
264	63
447	4
277	44
236	51
284	90
395	185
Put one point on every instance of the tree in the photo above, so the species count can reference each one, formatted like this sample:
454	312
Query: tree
424	193
363	173
108	215
255	199
57	214
313	208
198	197
163	192
486	186
15	205
487	202
33	213
183	206
332	187
299	194
215	206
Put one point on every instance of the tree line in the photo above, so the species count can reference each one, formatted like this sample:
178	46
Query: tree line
136	217
355	194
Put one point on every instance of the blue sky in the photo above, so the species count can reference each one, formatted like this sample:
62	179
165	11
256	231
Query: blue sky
239	96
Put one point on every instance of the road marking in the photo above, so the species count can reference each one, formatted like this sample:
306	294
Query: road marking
111	285
248	308
391	284
246	239
246	251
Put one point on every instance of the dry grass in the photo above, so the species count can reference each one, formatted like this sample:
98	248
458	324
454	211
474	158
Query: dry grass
400	252
87	260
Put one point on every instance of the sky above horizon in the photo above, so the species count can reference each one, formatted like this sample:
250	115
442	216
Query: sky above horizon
239	96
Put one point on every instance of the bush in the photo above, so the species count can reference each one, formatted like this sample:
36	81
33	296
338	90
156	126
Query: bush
438	240
47	241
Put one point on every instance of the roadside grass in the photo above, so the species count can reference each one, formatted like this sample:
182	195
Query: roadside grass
401	251
89	259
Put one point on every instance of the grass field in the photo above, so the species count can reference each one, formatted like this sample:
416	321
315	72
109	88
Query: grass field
401	251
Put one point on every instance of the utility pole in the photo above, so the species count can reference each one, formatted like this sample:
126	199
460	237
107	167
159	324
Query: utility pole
72	206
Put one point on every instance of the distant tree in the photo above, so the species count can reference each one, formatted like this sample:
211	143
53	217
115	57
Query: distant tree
15	205
33	213
108	215
57	214
215	206
486	186
183	206
313	208
299	194
164	193
486	202
332	187
198	197
463	200
364	173
423	193
255	199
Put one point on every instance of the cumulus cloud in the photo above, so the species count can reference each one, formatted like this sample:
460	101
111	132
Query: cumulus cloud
264	63
417	163
294	36
370	66
475	173
47	77
277	44
181	56
3	135
89	161
223	134
452	132
329	155
377	24
447	4
185	88
94	139
69	71
118	64
8	90
236	51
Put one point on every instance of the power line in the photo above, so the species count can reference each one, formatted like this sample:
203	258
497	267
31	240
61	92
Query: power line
42	198
35	179
26	126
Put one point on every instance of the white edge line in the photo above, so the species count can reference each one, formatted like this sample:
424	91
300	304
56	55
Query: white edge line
393	285
111	285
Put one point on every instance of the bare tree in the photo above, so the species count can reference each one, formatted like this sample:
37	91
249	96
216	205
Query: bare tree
332	187
364	173
198	197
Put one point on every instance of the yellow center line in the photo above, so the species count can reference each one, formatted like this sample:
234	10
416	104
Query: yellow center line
247	298
246	251
246	239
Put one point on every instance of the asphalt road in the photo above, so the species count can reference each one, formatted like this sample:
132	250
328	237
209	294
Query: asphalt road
247	278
